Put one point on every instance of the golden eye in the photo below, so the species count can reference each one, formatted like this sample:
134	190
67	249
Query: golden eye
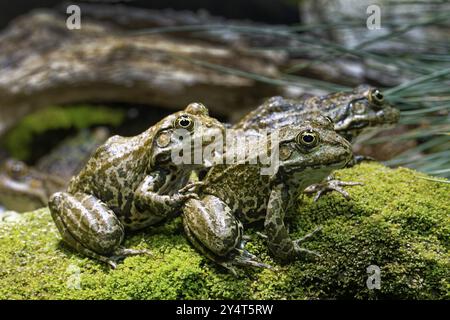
375	96
184	122
308	138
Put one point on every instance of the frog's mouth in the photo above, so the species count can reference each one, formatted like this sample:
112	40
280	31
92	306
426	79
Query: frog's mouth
358	125
330	165
333	164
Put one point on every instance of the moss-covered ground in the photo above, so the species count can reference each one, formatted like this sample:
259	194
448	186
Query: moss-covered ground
397	220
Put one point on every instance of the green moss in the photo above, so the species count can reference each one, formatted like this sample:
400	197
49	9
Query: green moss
397	221
18	140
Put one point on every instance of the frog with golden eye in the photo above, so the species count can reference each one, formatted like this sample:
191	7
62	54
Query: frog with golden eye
233	194
353	113
128	184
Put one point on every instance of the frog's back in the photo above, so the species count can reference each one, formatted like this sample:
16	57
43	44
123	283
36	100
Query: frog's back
113	171
276	112
242	188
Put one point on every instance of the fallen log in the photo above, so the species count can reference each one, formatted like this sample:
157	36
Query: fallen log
42	62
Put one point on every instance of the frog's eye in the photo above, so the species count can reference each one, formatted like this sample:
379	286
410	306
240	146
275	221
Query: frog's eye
184	122
375	96
16	168
308	138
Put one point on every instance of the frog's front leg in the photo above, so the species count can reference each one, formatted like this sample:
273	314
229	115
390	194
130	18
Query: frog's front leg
90	227
280	243
330	184
149	202
211	227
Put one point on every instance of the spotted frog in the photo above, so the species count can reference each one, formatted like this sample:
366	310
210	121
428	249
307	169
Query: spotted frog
354	113
23	188
26	188
235	193
128	184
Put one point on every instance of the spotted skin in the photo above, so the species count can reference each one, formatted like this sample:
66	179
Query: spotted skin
129	184
354	113
234	193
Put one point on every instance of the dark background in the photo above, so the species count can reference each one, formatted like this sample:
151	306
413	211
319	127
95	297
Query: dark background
268	11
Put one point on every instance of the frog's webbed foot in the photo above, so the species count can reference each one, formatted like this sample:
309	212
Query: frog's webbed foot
189	191
330	185
297	242
192	187
357	159
121	253
244	258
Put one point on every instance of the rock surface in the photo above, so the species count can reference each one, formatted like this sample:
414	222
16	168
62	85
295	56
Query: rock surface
398	221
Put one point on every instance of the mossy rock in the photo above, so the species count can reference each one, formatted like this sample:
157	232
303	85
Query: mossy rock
398	220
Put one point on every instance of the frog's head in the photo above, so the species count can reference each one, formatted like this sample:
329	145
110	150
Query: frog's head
14	169
358	110
193	123
312	145
19	189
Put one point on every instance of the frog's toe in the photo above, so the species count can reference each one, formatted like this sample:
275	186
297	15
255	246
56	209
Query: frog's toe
121	253
300	250
331	185
297	242
308	235
358	159
189	196
111	263
230	267
191	187
244	258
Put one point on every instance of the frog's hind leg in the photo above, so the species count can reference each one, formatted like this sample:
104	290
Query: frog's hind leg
89	226
238	257
212	228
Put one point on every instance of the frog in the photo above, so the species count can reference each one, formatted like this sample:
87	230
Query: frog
237	194
23	188
354	113
131	183
26	188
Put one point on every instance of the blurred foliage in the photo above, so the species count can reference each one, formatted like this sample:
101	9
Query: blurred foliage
18	141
